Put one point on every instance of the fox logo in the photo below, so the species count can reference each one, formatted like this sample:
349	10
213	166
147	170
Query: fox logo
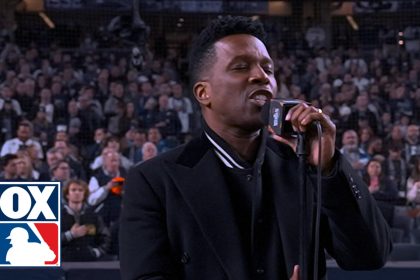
30	224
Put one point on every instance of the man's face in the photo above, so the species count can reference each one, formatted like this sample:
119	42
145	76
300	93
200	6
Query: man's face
62	172
238	84
99	135
53	158
413	132
112	162
76	193
374	169
10	168
350	139
149	151
139	139
153	135
24	132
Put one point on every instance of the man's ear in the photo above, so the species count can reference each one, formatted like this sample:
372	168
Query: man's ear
201	93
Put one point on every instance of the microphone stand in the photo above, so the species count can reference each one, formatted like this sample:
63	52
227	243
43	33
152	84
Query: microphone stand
303	203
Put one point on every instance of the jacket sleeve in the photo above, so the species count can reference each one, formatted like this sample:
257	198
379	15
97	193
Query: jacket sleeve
354	231
103	236
144	243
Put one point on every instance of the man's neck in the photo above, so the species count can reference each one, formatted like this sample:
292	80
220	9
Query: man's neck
75	206
23	139
245	144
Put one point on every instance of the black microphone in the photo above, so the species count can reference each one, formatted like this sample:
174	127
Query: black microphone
274	112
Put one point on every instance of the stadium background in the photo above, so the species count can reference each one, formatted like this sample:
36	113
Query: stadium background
299	32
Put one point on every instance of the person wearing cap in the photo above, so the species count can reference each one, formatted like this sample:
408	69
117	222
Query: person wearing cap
6	95
23	139
24	253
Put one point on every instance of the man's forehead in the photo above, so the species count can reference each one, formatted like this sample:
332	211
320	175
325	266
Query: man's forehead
240	44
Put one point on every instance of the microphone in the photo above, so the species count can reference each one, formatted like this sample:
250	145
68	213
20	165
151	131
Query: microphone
274	112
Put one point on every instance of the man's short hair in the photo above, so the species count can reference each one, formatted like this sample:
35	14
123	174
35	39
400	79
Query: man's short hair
203	53
25	122
58	163
4	160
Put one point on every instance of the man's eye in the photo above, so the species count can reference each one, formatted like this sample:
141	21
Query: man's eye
240	67
268	69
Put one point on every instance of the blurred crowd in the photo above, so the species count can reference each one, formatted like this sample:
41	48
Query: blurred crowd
85	116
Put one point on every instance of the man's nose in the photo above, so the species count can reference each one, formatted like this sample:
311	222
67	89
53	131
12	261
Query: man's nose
258	75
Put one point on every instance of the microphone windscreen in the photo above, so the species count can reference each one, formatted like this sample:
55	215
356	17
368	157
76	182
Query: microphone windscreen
274	112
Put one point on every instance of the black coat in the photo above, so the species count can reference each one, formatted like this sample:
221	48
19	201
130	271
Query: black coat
178	222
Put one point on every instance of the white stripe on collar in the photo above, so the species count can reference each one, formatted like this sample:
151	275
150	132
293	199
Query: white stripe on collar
223	155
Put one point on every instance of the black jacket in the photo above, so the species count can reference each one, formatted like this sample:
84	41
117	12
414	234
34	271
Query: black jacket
177	220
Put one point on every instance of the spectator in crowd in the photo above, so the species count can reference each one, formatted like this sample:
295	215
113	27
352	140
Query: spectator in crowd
146	97
23	139
111	143
6	95
361	116
52	158
400	102
76	167
357	157
117	96
167	119
412	143
9	121
375	148
105	194
360	81
119	124
45	104
134	151
149	150
182	105
61	172
355	62
94	150
413	183
365	135
84	236
396	169
89	119
8	168
382	189
88	92
386	125
25	94
101	184
154	136
396	137
41	124
150	112
25	168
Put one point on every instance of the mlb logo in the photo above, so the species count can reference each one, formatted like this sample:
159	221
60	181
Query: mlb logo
30	224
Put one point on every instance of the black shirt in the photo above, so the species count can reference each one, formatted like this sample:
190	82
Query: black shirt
250	187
